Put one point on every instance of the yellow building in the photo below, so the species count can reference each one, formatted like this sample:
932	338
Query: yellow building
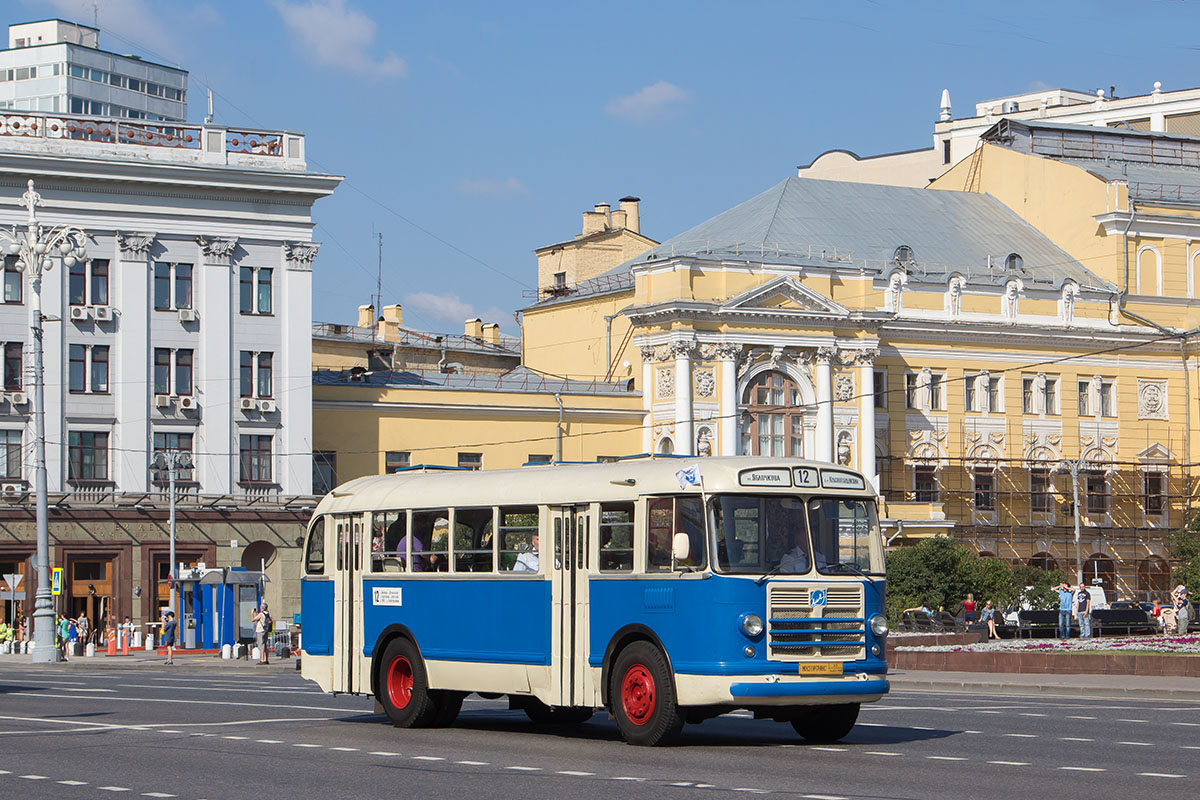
964	344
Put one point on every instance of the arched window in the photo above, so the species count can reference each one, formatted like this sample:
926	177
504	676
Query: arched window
1044	561
1014	263
1102	568
1154	577
665	446
776	425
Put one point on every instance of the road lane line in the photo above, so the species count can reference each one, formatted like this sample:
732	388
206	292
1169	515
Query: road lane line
382	753
73	783
1011	763
1161	775
156	794
1189	724
265	741
1137	744
236	738
830	749
34	777
525	769
882	753
307	745
577	774
340	749
179	701
1074	739
113	788
1085	769
822	797
1022	735
1132	720
1030	714
428	758
474	763
946	758
1074	716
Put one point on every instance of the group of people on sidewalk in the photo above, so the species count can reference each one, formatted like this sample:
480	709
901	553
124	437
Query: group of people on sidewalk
1074	603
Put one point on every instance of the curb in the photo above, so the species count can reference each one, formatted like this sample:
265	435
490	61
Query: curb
958	686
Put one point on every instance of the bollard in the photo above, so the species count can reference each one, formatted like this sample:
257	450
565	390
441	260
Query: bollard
226	652
256	654
137	639
149	642
240	652
90	650
111	638
125	643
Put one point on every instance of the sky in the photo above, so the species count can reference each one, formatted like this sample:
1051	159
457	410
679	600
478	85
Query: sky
472	133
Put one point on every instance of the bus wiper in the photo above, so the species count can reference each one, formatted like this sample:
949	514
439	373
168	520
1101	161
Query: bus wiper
849	567
772	571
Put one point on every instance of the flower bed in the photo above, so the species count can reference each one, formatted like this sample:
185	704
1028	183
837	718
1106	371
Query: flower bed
1112	644
1129	655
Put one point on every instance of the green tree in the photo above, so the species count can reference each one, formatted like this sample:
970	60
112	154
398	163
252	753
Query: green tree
1185	555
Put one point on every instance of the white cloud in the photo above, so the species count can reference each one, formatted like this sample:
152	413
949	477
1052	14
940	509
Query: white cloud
440	306
646	104
485	187
338	35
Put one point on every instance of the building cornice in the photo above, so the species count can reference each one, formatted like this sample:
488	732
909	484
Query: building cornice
462	411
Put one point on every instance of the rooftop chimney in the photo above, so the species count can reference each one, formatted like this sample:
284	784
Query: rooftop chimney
629	205
946	116
473	328
491	333
366	316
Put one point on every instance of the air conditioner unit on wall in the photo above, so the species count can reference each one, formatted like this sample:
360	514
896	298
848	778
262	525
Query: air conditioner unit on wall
266	406
162	401
79	313
187	403
102	313
248	404
18	398
187	315
12	489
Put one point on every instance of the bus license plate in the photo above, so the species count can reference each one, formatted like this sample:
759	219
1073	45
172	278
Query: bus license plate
820	668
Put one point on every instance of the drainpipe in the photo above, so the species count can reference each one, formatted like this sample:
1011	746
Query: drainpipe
558	431
1187	437
608	318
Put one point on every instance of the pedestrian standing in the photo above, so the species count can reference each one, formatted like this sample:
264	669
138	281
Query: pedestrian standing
168	633
1066	599
262	630
969	608
63	629
1183	608
1083	611
84	626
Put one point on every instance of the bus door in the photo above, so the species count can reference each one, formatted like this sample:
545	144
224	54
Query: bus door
347	610
570	532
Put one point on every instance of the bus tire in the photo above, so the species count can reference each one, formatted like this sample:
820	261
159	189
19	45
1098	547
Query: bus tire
541	714
826	723
642	696
404	687
448	705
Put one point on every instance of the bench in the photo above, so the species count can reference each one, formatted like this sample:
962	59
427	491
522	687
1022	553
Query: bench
1032	621
1131	620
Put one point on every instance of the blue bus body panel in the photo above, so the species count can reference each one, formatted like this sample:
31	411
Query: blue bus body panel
316	603
500	621
698	622
809	689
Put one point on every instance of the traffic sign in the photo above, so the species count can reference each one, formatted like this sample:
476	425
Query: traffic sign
6	594
56	580
13	579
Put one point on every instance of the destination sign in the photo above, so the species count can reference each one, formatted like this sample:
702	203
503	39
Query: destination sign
834	479
765	477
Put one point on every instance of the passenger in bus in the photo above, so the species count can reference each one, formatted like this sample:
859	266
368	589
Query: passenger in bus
528	561
418	546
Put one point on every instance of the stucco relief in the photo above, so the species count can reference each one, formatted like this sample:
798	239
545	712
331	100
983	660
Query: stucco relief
843	387
706	382
927	445
665	380
300	255
954	292
136	244
1152	399
845	447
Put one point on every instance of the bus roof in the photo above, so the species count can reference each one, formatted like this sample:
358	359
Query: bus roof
565	484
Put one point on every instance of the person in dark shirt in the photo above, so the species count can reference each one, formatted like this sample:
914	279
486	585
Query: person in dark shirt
168	633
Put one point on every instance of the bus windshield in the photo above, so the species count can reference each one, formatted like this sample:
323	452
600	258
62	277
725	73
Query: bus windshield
846	534
757	534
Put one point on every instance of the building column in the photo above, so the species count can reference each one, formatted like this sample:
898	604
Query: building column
824	380
728	352
294	376
130	279
648	390
685	444
215	298
866	415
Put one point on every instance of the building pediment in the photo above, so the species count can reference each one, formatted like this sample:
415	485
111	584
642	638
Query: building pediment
1156	452
785	294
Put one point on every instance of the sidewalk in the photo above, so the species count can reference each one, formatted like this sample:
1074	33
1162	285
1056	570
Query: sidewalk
1110	686
143	659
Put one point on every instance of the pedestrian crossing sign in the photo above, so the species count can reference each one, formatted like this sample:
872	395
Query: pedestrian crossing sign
56	580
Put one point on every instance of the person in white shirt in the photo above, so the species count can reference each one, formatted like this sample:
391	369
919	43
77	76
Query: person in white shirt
528	561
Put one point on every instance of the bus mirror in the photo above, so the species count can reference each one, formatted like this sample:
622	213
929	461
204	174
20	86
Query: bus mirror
681	547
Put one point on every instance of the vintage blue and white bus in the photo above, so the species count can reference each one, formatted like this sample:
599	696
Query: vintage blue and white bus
665	590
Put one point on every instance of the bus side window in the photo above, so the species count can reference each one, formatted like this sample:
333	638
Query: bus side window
616	537
518	529
388	547
669	516
472	540
314	555
430	540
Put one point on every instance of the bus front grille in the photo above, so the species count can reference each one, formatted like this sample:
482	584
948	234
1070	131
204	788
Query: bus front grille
798	630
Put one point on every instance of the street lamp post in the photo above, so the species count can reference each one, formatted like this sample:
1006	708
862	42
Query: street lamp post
35	250
172	461
1072	468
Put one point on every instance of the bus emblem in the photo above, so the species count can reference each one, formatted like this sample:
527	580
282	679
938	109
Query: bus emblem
817	598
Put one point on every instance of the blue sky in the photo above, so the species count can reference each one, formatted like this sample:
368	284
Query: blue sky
471	133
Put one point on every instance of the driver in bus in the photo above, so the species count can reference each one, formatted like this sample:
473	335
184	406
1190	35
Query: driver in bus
779	536
528	561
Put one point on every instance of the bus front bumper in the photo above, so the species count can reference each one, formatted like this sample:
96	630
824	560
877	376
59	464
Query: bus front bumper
776	690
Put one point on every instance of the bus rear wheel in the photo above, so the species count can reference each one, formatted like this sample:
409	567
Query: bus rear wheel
642	696
826	723
404	687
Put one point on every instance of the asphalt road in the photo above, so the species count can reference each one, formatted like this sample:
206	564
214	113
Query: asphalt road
225	732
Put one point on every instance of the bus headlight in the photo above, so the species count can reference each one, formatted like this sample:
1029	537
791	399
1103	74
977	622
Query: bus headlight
752	625
879	625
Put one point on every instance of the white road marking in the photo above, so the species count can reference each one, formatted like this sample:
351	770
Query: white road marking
178	701
988	712
920	728
822	797
382	753
1131	720
627	778
1011	763
236	738
882	753
830	749
751	791
1074	739
306	745
113	788
1022	735
166	731
73	783
265	741
34	777
90	690
1073	716
1085	769
472	763
339	749
156	794
525	769
946	758
1189	724
1137	744
968	731
428	758
577	774
872	725
680	783
1161	775
1030	714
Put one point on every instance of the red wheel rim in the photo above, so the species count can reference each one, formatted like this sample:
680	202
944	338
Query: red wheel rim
400	682
637	694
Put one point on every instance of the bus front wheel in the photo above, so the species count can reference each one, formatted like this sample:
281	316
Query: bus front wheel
404	687
826	723
642	696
